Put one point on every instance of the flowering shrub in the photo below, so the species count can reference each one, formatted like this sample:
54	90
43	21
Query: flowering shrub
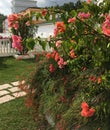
22	26
71	87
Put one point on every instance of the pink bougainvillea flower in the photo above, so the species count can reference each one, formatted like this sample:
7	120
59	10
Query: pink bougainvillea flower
57	57
84	106
72	20
83	15
51	68
99	80
61	63
89	1
10	24
44	12
28	23
48	55
53	54
72	54
73	41
55	32
59	28
12	19
16	38
83	68
93	78
17	46
16	26
86	112
58	43
16	42
106	26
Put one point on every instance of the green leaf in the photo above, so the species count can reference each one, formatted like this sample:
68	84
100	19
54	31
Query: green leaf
43	44
74	13
30	43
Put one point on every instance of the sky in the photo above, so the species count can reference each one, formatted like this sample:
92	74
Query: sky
43	3
5	5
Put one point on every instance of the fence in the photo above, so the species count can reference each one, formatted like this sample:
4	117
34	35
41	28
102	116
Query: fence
6	49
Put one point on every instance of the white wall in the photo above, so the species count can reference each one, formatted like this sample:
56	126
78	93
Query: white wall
45	30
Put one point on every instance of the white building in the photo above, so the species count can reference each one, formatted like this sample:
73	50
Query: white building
20	5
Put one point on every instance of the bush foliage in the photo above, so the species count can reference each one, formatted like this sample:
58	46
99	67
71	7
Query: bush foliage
70	88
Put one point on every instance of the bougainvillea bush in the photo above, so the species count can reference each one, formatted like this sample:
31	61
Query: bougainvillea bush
71	85
22	29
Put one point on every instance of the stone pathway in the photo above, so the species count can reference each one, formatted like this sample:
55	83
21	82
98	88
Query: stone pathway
10	91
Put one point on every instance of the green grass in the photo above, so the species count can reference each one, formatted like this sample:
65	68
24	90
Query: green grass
12	69
15	116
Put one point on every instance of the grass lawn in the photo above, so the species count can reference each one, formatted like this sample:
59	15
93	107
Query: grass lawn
12	69
15	116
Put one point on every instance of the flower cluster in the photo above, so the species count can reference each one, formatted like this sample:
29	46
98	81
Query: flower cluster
76	72
57	58
60	28
13	21
106	26
22	26
86	111
16	42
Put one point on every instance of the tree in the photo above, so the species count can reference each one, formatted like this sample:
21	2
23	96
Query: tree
2	18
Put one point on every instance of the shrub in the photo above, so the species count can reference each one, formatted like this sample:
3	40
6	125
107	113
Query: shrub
22	29
70	88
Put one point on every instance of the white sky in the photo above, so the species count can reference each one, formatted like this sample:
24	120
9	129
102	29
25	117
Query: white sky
5	5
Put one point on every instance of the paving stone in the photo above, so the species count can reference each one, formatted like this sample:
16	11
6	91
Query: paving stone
6	99
3	92
15	83
14	89
5	86
19	94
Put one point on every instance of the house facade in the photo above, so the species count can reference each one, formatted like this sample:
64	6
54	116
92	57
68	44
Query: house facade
20	5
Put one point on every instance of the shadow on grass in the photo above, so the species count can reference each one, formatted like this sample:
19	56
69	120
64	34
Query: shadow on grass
2	63
6	62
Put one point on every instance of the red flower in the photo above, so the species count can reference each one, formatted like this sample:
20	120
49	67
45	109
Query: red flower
106	26
72	54
88	1
57	57
44	12
58	43
93	78
48	55
51	68
53	54
72	20
61	63
83	15
86	112
16	42
28	23
99	80
84	106
60	27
